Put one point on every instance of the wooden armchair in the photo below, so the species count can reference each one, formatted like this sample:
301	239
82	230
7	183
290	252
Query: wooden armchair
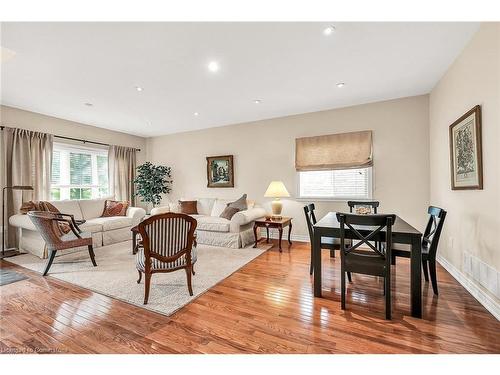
47	223
167	246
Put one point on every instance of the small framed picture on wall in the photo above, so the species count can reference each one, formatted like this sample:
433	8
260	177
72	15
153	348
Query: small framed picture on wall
466	151
220	171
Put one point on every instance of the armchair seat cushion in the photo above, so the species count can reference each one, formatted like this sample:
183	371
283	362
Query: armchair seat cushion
113	222
157	265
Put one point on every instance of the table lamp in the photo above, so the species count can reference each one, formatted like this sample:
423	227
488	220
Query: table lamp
276	190
9	252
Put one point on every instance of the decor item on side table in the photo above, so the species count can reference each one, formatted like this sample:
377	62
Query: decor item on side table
276	190
466	151
220	172
152	181
274	223
9	252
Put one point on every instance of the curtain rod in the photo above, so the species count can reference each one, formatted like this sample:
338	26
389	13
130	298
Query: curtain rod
80	140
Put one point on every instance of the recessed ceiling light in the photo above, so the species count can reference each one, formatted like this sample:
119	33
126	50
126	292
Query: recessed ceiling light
329	30
138	88
257	101
88	104
213	66
340	85
196	114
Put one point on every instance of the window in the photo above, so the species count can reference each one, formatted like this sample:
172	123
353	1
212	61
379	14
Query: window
79	172
336	184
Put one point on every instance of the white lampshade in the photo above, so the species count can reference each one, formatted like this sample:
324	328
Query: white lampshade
276	189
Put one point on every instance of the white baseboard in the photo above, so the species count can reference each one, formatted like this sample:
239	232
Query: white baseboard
273	233
483	298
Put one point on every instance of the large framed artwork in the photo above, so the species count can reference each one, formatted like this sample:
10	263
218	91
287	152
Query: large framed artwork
466	151
220	171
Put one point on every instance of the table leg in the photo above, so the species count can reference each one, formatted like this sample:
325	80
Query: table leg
317	263
134	241
280	230
255	234
267	238
290	233
416	277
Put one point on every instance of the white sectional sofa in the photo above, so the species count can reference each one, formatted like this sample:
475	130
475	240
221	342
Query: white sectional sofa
105	230
217	231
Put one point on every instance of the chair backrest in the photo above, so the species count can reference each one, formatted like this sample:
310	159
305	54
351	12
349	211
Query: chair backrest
374	224
310	219
167	237
433	229
47	227
372	205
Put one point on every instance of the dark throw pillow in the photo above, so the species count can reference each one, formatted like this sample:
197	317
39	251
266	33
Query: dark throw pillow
189	207
240	204
115	208
229	212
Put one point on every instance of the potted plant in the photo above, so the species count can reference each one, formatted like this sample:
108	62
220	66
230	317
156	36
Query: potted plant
152	181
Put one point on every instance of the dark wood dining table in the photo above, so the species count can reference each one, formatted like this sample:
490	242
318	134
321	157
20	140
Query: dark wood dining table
402	233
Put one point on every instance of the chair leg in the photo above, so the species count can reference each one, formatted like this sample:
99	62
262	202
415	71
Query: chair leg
147	282
387	287
188	274
342	286
432	271
92	255
312	257
349	277
140	277
393	260
332	253
425	267
52	255
192	269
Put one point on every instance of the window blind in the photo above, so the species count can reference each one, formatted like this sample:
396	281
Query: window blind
334	151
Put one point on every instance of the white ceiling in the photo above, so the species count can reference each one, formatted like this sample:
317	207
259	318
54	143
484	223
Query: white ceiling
292	67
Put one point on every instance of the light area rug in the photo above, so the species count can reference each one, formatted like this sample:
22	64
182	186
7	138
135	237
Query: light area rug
116	276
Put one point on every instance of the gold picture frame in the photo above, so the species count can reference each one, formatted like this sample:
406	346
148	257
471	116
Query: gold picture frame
220	172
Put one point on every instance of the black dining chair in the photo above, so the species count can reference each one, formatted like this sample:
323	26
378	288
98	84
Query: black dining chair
373	205
430	241
327	243
353	205
374	261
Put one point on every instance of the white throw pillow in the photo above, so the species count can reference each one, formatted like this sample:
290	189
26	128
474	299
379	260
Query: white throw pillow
204	206
174	207
219	207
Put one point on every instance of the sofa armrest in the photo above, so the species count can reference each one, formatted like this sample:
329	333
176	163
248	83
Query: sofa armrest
246	217
136	213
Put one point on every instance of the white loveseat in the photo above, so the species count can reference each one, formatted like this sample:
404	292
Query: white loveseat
105	230
215	230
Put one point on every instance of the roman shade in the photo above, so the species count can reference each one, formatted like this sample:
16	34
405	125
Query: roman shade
334	151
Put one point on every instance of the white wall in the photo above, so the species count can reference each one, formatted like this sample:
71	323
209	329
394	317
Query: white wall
473	222
265	151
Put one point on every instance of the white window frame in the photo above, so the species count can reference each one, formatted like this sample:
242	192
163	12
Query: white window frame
337	199
65	185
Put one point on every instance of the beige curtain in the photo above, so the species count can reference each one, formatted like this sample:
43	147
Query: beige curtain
122	164
335	151
26	160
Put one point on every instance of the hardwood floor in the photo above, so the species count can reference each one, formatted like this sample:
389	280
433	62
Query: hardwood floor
265	307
